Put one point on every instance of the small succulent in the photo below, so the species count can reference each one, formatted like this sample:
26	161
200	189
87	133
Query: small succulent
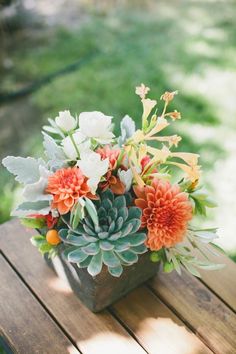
114	240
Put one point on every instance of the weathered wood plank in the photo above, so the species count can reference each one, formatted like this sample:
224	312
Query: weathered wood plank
222	282
91	332
209	317
24	322
155	326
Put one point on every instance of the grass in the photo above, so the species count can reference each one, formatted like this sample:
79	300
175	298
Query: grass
164	46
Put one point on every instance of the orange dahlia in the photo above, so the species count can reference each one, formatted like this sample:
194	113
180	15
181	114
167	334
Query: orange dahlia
165	213
67	185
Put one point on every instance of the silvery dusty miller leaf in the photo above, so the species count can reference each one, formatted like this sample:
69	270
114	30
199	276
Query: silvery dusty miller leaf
26	169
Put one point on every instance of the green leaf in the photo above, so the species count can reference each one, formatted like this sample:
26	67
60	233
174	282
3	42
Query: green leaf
134	213
53	151
68	250
63	234
91	210
129	199
88	222
77	256
136	239
210	266
77	214
113	213
115	271
45	248
123	212
103	235
107	204
119	202
28	208
191	268
85	263
38	240
91	249
122	245
199	207
128	256
107	195
126	229
26	170
89	231
199	195
176	264
115	236
95	265
136	223
112	227
210	203
110	259
119	223
106	245
206	236
139	249
102	213
218	248
76	240
37	223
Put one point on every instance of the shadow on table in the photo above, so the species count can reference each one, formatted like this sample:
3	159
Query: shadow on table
141	312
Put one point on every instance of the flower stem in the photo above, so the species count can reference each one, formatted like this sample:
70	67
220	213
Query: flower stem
75	146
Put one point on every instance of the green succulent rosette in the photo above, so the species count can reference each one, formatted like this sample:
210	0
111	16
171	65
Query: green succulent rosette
113	241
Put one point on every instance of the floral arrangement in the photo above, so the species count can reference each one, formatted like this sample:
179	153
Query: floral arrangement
105	200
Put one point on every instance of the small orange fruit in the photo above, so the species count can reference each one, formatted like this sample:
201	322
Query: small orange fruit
52	237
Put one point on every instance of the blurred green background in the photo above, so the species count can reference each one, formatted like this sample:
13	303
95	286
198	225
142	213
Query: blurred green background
89	55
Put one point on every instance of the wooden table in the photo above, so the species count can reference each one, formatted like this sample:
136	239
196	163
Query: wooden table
169	315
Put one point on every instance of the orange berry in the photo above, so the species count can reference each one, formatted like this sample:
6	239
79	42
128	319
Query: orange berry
52	237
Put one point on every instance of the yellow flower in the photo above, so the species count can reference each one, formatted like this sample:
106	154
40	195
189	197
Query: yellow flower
160	125
193	172
174	140
148	105
138	136
142	90
159	155
142	152
189	158
174	115
171	140
168	96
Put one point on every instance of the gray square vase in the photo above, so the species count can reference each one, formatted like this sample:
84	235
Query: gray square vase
102	290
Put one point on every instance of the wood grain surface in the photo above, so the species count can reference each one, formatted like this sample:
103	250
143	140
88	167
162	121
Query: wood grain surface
169	315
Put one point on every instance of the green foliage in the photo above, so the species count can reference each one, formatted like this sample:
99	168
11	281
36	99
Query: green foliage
37	223
201	201
192	254
107	235
43	246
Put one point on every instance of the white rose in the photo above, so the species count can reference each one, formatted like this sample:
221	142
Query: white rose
65	121
96	125
93	167
81	143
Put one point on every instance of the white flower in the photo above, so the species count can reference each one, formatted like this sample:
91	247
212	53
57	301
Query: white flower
93	167
96	125
65	121
80	141
126	178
